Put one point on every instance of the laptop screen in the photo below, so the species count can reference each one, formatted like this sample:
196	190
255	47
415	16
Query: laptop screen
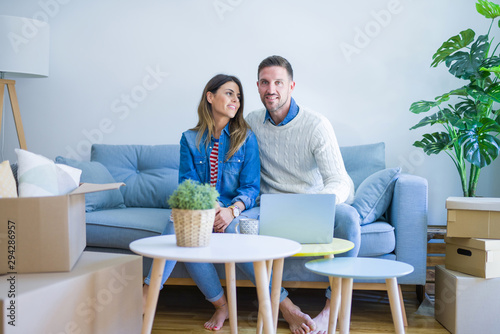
305	218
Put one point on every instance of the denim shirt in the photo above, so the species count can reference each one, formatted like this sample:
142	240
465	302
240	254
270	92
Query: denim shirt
238	179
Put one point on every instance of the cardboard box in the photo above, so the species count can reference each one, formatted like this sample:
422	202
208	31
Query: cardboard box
477	257
102	294
44	234
473	217
466	304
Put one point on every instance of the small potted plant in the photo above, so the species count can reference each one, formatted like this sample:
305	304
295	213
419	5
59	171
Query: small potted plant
193	212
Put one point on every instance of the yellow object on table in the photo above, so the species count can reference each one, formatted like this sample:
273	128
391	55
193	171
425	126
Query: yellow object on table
337	246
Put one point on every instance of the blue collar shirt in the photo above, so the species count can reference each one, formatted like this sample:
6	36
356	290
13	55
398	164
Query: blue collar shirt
292	112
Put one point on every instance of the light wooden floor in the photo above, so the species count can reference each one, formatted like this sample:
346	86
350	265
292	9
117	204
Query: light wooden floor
183	309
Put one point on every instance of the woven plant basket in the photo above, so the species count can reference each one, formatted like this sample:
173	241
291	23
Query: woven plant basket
193	227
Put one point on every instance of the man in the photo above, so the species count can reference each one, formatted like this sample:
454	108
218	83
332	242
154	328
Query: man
299	154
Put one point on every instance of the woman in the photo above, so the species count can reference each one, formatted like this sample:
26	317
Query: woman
220	150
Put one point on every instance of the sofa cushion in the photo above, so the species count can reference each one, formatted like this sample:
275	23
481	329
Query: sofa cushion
374	194
117	228
377	239
39	176
150	172
7	182
363	160
36	175
94	172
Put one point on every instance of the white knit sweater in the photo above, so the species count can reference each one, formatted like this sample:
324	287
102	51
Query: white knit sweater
302	156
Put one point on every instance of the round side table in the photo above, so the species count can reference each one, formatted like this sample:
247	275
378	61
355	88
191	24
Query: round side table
344	270
337	246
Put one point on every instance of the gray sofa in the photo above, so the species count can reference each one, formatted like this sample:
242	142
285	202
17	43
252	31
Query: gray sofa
387	220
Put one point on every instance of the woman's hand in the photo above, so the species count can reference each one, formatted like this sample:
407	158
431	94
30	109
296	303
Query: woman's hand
223	217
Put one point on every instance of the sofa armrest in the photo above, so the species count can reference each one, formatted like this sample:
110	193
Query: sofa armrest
408	215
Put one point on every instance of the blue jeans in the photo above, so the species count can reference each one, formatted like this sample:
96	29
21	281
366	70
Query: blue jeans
169	264
205	275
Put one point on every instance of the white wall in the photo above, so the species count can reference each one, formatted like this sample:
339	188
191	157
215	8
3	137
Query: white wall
100	87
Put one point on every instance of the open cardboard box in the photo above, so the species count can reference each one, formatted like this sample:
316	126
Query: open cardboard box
44	234
473	217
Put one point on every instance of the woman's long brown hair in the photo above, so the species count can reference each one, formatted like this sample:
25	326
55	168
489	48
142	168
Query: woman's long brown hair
237	126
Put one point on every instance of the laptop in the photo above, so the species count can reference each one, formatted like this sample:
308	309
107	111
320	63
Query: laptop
305	218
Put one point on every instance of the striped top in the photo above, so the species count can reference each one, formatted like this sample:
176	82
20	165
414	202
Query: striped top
214	155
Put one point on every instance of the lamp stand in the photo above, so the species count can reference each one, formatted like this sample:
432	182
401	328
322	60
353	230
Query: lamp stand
15	109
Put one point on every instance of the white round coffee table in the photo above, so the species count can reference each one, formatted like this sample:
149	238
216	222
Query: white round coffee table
344	270
224	248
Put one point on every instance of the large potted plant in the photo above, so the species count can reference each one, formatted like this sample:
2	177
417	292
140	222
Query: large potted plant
193	212
470	118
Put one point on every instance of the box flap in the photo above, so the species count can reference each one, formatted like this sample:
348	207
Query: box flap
92	187
473	203
483	244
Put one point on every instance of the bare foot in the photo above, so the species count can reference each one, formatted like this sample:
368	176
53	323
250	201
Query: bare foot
298	321
221	314
322	319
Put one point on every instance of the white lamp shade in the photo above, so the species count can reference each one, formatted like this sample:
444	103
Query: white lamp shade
24	47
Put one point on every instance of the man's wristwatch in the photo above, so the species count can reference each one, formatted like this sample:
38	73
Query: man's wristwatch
235	210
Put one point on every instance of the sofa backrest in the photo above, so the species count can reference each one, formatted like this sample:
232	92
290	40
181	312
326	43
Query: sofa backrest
362	161
150	172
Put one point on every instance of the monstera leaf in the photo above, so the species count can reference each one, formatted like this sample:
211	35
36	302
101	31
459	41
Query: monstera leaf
464	65
424	106
452	45
467	110
488	9
434	143
494	92
442	116
480	147
495	70
479	94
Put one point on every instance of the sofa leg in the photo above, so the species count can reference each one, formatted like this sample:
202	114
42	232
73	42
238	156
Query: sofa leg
420	289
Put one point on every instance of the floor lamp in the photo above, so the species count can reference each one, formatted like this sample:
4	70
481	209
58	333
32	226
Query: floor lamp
24	45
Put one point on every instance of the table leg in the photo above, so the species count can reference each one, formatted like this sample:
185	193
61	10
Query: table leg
345	309
402	302
260	323
231	296
393	292
269	266
276	289
336	285
263	295
153	292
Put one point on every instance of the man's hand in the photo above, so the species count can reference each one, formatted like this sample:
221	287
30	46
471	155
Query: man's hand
223	217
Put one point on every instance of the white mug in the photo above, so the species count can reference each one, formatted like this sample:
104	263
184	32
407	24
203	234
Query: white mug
248	226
